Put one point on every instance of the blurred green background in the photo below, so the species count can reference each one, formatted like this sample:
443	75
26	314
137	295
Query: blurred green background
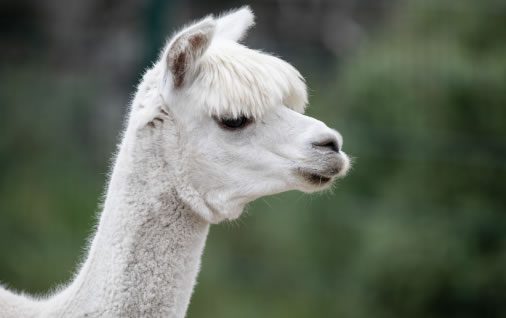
417	88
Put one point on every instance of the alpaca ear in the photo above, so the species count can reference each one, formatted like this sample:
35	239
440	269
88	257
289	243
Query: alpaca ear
233	25
186	48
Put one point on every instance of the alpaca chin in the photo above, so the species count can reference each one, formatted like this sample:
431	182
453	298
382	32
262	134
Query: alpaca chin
210	209
227	209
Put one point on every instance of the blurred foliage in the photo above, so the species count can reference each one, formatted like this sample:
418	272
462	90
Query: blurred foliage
417	230
48	192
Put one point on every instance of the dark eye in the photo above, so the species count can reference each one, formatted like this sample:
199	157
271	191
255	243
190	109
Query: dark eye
234	123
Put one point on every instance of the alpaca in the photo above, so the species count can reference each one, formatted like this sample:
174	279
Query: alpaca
213	126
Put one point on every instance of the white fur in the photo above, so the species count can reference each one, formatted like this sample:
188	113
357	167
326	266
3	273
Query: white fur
177	171
236	80
233	25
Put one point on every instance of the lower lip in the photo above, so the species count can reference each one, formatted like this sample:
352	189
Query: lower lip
316	179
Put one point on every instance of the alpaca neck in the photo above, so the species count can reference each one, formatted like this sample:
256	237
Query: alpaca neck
145	256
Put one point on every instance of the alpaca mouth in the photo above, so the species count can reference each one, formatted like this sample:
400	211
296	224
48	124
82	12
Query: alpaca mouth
314	178
323	176
317	179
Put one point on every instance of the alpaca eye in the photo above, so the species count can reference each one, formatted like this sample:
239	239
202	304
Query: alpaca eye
234	123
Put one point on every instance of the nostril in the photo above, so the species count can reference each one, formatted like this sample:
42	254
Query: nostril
329	144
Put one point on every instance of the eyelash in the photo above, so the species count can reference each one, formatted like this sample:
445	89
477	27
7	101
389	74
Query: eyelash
234	123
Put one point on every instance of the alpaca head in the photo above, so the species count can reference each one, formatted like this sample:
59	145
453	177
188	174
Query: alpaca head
239	124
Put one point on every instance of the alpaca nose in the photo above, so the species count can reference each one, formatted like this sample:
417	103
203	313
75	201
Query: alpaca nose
327	144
